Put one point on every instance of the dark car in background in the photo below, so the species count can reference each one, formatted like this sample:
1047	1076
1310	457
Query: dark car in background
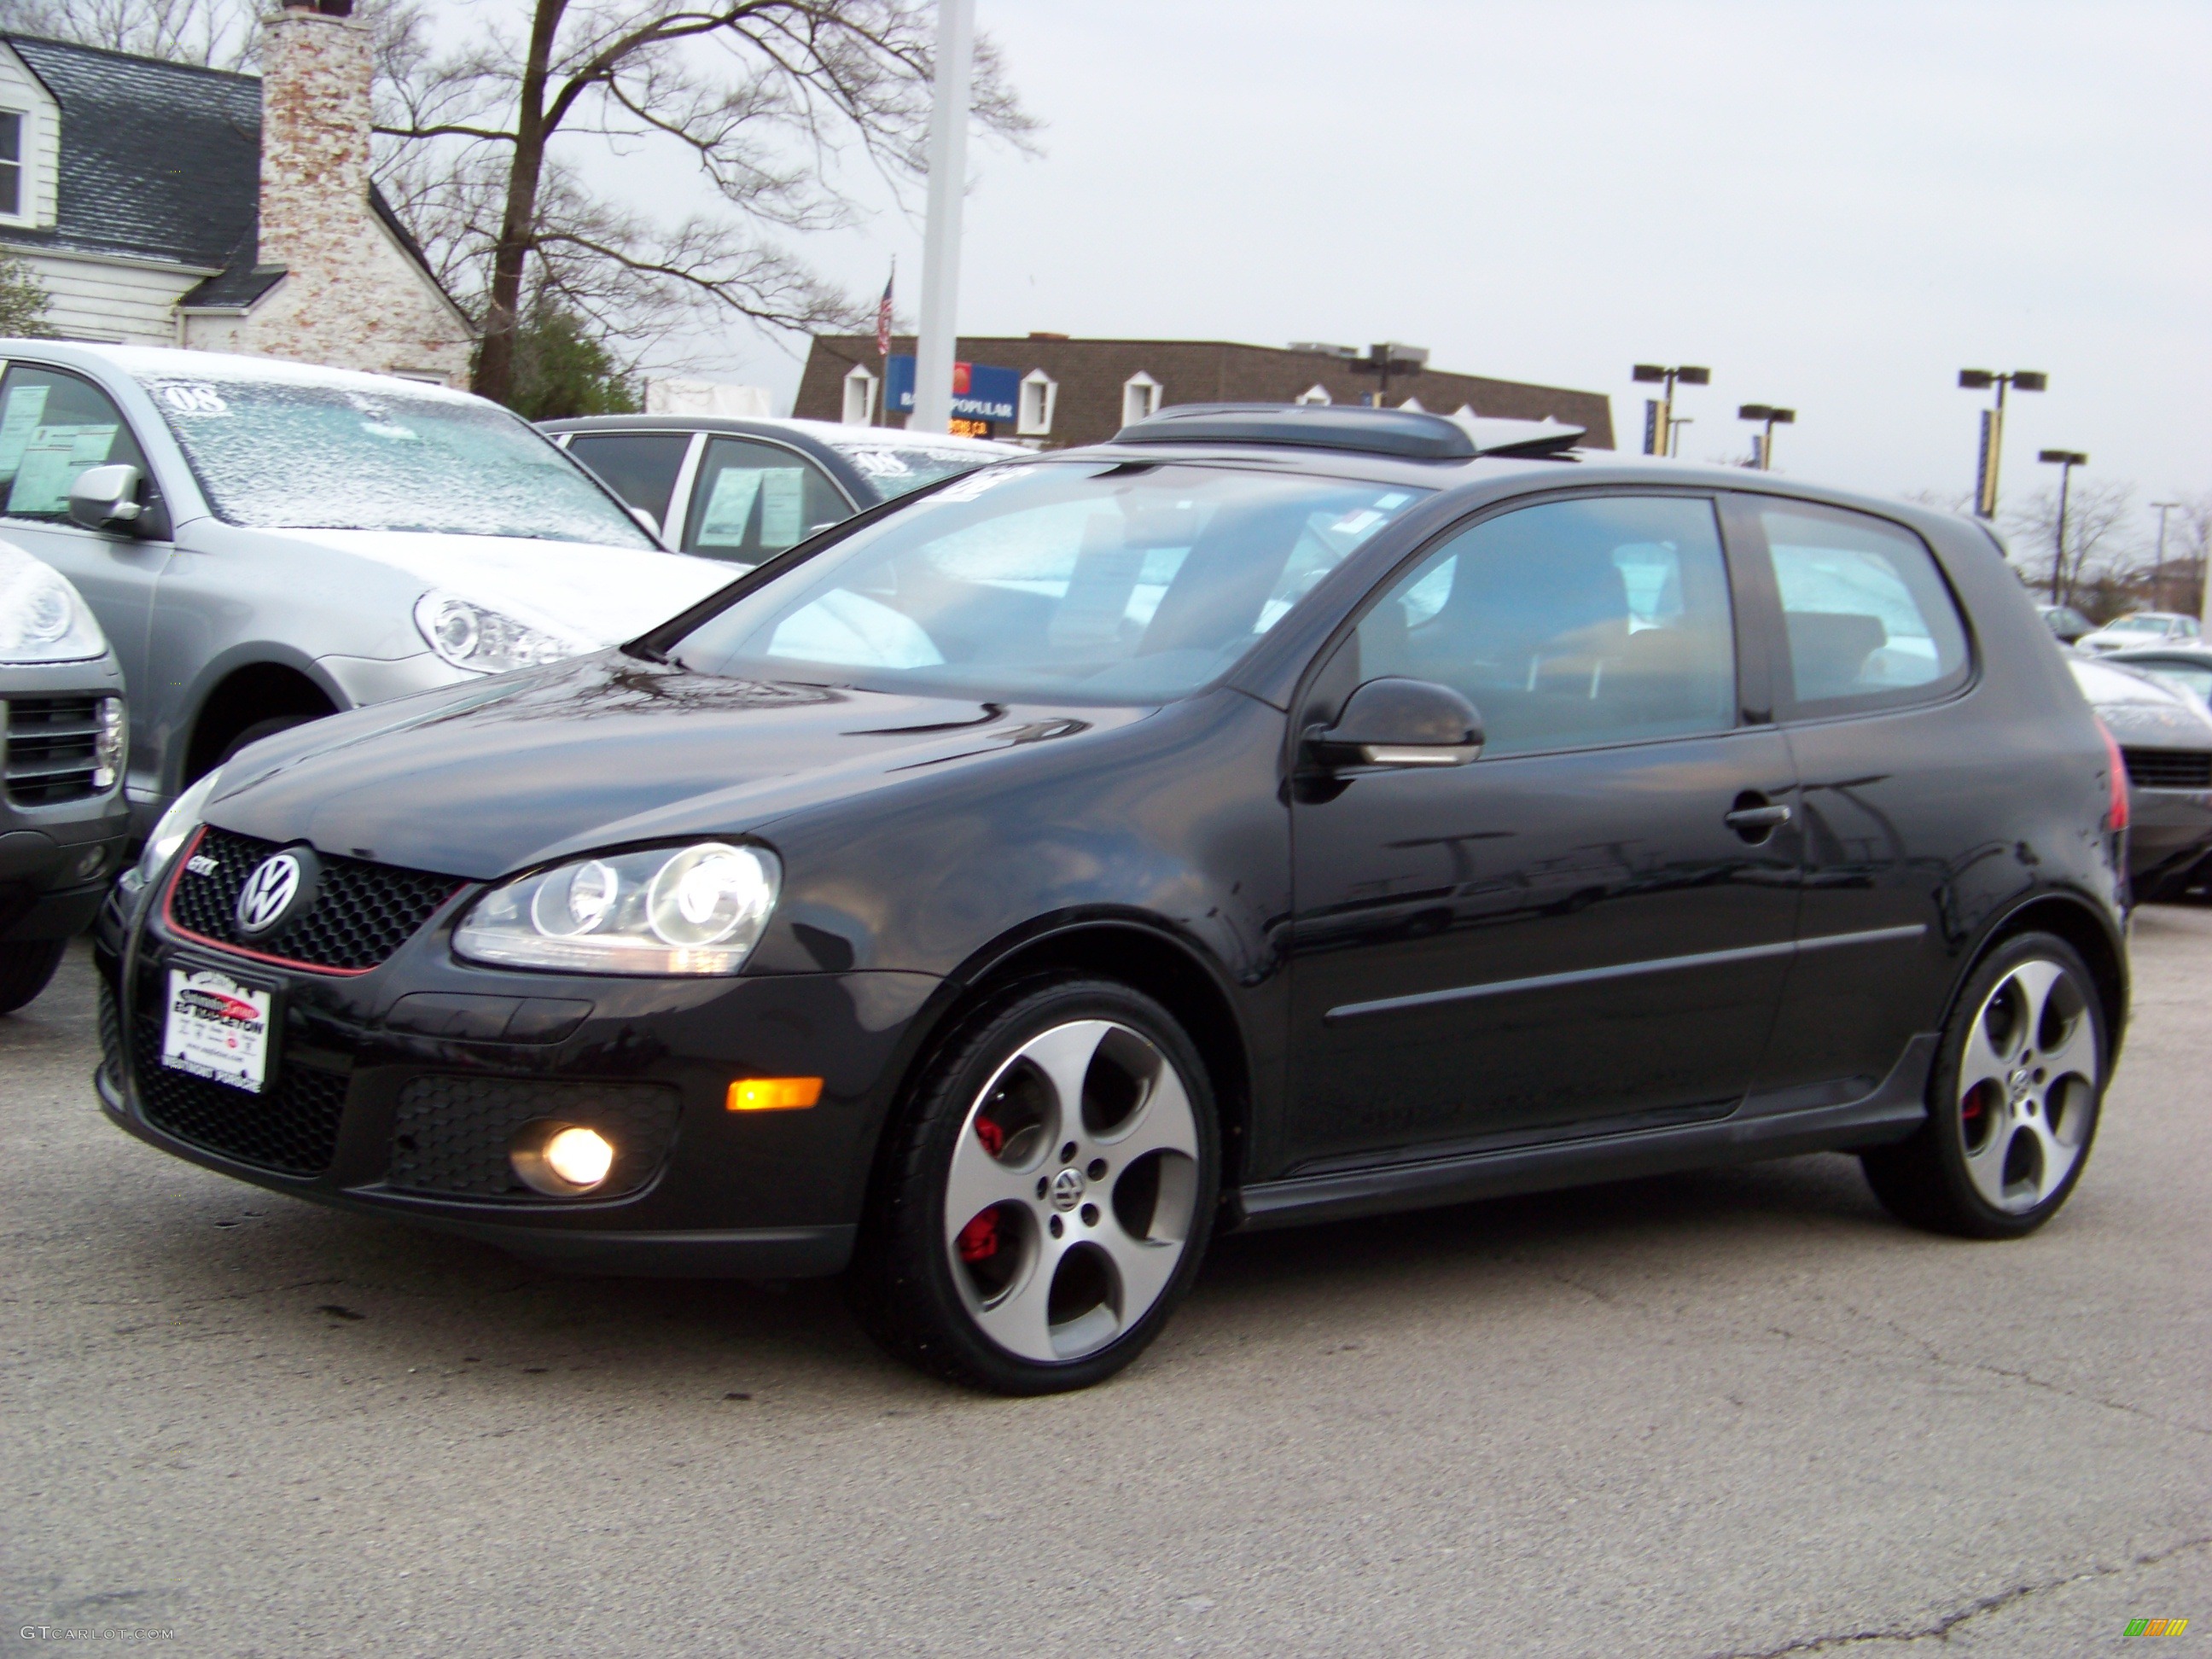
2065	623
745	490
2165	735
63	740
1272	816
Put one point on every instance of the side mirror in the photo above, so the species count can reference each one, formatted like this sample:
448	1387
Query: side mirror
104	497
1399	722
651	524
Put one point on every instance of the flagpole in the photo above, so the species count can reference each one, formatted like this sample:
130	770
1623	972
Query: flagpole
881	413
938	342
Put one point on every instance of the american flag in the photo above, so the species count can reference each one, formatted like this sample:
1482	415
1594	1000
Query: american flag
883	315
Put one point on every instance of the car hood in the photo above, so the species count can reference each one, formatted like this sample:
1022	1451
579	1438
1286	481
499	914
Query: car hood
594	594
606	750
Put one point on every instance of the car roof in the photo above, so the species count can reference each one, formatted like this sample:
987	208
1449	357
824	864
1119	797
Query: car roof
823	431
137	360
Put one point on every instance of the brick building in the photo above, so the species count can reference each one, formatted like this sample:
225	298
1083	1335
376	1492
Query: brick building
1082	392
165	204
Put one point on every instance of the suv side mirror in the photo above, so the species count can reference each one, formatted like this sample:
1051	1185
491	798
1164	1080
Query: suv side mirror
105	497
1399	722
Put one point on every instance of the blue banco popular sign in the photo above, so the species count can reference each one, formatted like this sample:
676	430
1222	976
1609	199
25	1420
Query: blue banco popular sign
981	392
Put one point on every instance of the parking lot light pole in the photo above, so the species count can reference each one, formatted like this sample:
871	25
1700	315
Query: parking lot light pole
1985	466
1773	418
1661	431
937	341
2065	460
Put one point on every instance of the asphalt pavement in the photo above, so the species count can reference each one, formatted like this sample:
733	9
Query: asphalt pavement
1736	1413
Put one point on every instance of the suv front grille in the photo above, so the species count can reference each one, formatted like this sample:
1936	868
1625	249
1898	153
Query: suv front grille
290	1126
2169	769
52	748
451	1134
360	914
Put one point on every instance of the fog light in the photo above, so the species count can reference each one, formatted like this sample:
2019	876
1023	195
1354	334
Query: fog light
561	1159
774	1094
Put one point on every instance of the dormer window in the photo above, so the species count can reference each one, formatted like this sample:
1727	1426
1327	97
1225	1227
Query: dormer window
14	199
1141	398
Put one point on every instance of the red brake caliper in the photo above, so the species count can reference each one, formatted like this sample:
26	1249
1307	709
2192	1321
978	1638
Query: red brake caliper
979	1239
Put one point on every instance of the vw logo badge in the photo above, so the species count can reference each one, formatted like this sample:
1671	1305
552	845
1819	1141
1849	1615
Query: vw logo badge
1068	1189
270	893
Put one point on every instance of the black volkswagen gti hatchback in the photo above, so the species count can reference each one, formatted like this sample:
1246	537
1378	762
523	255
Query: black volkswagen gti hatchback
1271	816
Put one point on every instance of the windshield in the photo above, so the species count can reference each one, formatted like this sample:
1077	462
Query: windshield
2137	625
900	469
289	453
1059	581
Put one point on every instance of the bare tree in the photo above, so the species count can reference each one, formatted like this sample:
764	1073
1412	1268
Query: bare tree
2099	550
761	97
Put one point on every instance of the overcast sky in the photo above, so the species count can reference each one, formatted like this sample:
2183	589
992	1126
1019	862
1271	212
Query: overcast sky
1835	206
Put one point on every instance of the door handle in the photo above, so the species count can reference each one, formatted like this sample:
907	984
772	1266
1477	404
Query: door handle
1757	821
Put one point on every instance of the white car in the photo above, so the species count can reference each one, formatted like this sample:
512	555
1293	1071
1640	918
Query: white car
266	543
2141	628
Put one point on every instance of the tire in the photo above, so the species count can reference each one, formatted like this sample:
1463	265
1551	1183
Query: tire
25	968
261	729
2014	1101
990	1255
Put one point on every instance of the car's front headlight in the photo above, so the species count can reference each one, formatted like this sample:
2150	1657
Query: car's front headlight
488	641
696	909
176	826
41	617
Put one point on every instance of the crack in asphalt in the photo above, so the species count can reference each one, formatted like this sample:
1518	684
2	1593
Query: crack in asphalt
1941	1628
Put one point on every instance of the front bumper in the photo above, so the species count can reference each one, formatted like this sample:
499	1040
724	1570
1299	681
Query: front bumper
2169	830
406	1111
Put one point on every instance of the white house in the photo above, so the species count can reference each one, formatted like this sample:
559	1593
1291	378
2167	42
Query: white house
165	204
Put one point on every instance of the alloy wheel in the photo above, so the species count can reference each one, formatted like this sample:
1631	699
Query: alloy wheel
1070	1196
2027	1085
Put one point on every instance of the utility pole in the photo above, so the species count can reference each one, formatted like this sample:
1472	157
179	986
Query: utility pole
1662	429
938	341
2065	460
1992	451
2159	564
1675	425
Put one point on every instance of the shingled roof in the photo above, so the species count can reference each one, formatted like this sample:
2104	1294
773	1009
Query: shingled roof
161	161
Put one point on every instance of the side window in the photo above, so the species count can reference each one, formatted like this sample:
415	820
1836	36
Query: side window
1605	620
754	499
640	467
1868	621
52	427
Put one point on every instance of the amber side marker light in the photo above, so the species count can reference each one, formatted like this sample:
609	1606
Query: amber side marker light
774	1094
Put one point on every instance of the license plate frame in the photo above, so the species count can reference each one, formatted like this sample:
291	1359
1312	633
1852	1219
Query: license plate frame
221	1027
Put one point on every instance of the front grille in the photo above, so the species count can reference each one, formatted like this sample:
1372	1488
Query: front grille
290	1126
451	1135
360	914
52	748
2169	769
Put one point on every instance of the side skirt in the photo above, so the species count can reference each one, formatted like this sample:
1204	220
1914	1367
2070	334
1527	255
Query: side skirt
1760	1128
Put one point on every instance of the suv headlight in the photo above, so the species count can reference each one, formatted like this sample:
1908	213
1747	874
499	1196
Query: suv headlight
684	910
176	826
41	617
488	641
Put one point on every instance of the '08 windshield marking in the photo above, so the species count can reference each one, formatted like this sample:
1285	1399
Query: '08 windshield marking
1091	581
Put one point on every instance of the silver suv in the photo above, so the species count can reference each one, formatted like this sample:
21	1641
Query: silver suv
266	542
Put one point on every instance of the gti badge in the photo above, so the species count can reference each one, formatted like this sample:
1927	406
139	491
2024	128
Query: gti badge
279	887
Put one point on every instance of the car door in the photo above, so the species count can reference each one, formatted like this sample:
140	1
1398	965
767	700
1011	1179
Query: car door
1584	926
752	499
53	425
1900	780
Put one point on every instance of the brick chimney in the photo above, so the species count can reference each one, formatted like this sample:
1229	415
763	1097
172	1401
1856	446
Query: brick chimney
316	69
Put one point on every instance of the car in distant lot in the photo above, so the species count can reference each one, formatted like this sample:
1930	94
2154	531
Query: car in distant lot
63	820
2165	735
2141	628
745	490
2188	665
266	543
1275	814
2065	621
